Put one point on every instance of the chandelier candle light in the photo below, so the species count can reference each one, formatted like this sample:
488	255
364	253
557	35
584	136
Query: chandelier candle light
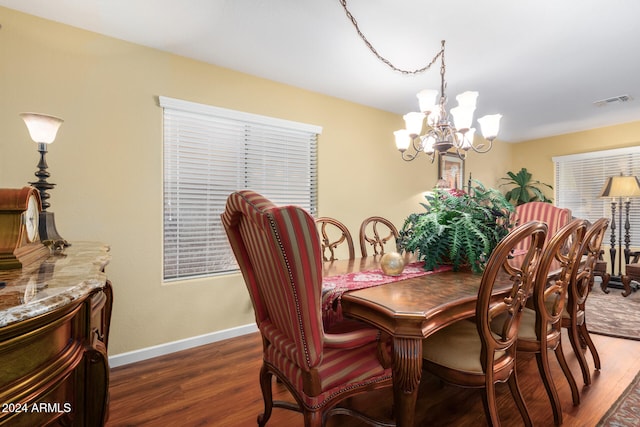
441	134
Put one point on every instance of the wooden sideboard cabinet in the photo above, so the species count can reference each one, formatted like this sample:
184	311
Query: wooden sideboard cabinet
54	330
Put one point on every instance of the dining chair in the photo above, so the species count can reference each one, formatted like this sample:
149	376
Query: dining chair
574	318
541	324
600	270
278	251
333	233
553	216
468	353
376	231
631	272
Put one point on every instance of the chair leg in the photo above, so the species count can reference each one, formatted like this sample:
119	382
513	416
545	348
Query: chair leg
543	366
312	419
517	396
584	333
574	339
626	284
605	282
490	404
575	393
267	395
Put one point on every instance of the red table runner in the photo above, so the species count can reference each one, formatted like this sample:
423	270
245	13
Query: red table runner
334	286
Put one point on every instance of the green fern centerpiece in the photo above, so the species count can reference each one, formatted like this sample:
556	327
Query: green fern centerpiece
458	228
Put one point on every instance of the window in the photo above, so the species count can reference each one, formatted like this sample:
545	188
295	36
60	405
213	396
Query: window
579	180
210	152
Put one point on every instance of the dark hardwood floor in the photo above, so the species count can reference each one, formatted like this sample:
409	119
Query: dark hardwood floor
217	385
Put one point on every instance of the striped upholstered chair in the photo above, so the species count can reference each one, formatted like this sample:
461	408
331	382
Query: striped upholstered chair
553	216
278	251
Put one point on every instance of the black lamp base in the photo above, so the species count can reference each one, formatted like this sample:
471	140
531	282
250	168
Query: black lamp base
48	233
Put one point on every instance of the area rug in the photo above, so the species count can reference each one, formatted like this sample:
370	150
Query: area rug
612	314
625	412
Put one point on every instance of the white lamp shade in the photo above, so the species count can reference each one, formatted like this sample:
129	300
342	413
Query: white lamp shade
462	117
490	125
427	100
467	99
434	117
467	138
402	139
43	128
413	123
427	144
621	186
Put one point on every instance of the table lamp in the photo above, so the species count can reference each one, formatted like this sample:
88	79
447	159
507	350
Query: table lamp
619	187
43	129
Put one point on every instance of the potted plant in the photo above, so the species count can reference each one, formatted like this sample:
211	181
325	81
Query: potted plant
524	189
458	228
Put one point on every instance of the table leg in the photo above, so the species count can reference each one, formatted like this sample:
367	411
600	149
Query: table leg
407	371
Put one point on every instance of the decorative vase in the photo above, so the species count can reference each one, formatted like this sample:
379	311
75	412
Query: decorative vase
392	263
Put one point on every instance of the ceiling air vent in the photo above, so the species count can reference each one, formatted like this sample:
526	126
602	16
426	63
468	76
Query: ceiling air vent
612	100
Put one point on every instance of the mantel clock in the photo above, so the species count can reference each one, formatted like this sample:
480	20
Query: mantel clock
20	243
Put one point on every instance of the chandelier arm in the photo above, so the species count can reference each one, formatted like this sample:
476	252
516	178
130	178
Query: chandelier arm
482	150
417	143
416	150
408	157
461	154
382	58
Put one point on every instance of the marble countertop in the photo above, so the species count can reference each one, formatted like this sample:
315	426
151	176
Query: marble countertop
55	282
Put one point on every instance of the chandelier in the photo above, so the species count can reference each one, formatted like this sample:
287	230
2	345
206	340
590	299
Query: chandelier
441	134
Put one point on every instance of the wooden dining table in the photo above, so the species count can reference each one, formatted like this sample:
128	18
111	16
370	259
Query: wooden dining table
409	310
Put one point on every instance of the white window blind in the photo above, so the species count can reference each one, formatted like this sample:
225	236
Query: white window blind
210	152
579	180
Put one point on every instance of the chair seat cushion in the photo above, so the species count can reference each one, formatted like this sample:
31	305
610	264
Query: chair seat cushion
527	330
340	370
457	347
579	318
633	270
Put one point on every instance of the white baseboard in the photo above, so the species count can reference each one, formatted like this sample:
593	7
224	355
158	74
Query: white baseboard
171	347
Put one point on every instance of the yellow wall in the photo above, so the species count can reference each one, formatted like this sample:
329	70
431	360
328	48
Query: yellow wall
107	161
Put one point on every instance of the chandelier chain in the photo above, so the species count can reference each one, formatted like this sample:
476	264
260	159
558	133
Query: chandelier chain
382	58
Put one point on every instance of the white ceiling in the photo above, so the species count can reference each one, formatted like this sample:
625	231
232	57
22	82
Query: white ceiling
541	64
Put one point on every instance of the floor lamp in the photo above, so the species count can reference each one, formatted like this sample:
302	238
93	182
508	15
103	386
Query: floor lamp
618	188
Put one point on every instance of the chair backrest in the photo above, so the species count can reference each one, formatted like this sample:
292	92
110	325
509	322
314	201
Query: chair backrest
553	216
333	233
549	296
517	273
582	274
278	251
376	232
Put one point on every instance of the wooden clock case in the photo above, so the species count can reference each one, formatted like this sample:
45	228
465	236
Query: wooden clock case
16	251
